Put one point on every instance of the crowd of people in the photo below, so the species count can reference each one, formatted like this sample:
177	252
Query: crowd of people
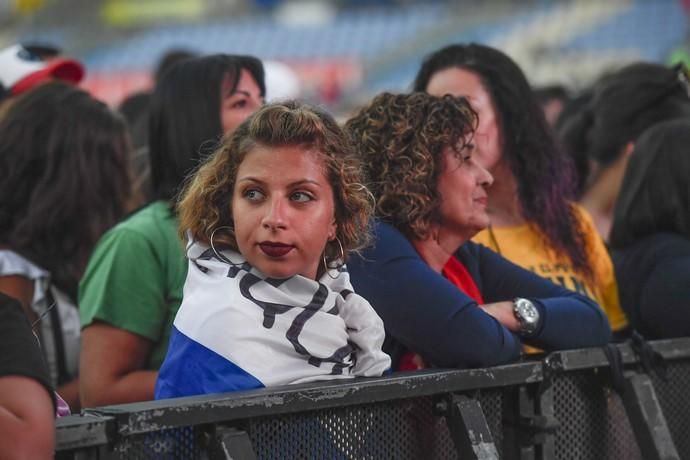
215	242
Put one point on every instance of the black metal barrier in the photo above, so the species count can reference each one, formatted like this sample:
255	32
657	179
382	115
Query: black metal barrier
565	405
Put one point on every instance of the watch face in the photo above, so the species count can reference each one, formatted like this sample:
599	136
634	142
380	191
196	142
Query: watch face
527	314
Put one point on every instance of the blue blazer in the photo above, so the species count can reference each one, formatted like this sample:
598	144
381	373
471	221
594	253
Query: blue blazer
424	312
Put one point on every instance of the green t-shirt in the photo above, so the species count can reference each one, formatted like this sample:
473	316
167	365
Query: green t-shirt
135	277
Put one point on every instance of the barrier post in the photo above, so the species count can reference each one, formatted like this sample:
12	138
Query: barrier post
228	443
647	419
529	423
469	430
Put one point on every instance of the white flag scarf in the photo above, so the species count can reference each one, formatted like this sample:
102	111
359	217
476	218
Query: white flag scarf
237	329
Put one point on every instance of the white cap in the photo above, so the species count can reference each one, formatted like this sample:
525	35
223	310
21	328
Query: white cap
20	70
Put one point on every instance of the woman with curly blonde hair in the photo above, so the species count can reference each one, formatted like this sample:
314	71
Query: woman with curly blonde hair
445	300
271	219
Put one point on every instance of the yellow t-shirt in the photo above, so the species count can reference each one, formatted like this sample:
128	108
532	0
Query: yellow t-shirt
525	246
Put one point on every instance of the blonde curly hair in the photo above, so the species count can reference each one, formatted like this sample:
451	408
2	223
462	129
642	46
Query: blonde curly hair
205	204
400	139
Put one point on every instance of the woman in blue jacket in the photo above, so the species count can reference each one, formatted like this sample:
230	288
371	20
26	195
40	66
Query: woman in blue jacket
444	300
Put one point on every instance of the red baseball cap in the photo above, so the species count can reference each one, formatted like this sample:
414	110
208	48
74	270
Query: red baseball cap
21	70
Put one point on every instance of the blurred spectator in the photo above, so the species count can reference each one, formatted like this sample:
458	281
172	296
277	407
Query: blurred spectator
21	69
132	287
650	237
576	148
136	109
533	222
64	180
170	59
27	401
552	99
622	105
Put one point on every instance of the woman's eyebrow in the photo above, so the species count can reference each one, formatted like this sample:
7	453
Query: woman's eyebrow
240	92
291	184
303	182
249	179
296	183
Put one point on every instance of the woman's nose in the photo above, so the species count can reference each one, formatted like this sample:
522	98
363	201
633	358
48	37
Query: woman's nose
485	178
275	214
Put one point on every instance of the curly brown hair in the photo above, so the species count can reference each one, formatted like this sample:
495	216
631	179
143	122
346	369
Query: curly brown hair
204	206
401	138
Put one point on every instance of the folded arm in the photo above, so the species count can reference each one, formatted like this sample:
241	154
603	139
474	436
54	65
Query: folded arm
569	320
424	311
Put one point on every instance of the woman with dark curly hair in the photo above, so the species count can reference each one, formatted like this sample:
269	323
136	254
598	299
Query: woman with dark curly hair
271	219
455	303
650	238
64	180
534	223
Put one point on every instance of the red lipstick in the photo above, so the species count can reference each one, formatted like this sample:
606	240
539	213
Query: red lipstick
275	249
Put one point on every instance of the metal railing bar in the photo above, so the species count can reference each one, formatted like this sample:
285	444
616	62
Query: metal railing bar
157	415
78	431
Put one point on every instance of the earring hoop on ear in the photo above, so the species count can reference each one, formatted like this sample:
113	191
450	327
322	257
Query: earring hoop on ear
342	251
211	240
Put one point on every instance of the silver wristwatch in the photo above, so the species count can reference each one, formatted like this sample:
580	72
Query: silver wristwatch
527	315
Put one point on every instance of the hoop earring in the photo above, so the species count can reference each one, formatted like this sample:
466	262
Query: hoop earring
342	258
211	241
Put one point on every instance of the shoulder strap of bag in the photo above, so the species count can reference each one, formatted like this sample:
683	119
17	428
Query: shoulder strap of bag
56	326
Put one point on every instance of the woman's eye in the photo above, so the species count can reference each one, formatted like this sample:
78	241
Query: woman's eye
239	104
301	197
253	194
467	152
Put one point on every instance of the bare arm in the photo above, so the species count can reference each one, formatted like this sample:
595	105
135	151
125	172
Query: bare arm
27	419
111	366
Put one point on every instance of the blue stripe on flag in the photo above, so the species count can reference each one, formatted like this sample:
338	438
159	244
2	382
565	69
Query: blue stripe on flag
193	369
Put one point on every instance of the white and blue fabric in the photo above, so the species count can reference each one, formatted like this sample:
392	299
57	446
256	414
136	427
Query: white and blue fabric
237	329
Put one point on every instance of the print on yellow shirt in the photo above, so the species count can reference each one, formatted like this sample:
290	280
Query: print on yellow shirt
563	274
525	246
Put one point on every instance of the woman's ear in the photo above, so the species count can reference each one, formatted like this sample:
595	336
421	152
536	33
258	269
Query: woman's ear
333	231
